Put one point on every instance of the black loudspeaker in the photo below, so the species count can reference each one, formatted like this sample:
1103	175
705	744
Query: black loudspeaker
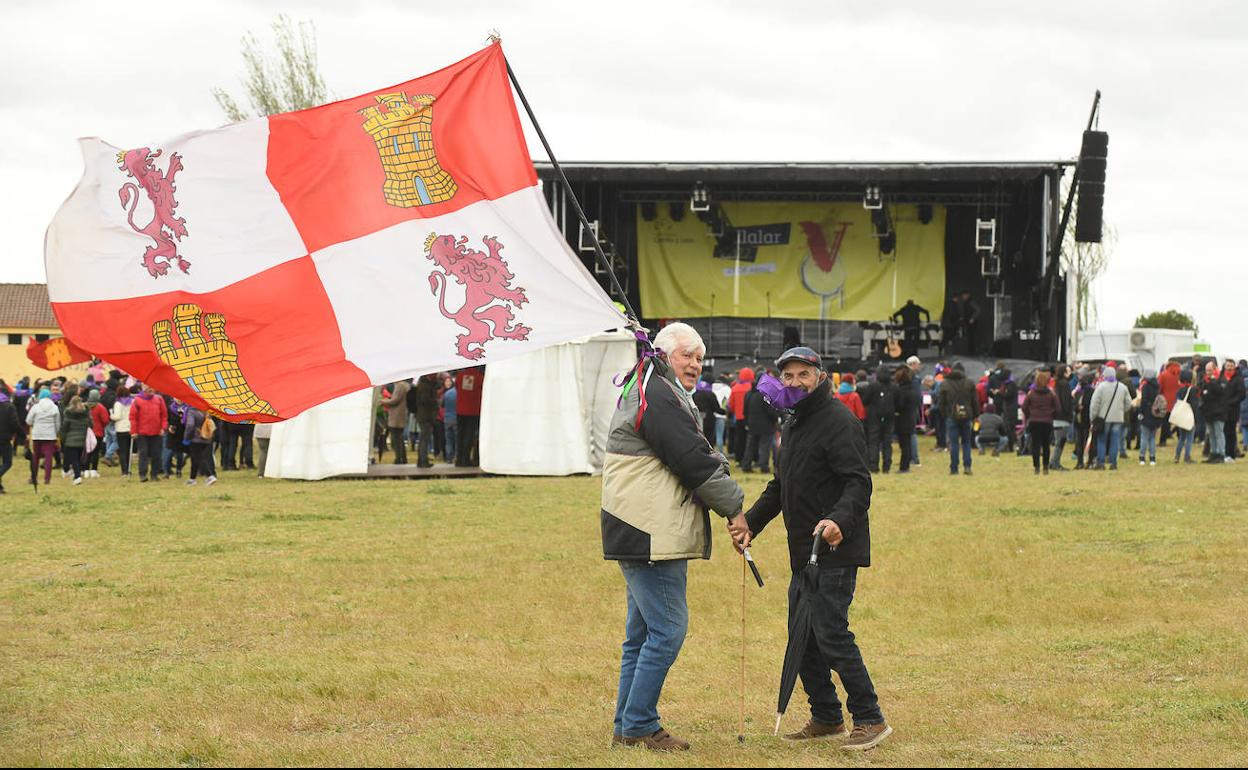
1092	159
925	213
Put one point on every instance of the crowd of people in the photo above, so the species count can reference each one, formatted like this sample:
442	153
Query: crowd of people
436	415
75	426
1099	413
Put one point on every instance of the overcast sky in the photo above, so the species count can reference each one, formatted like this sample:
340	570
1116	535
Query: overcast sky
798	81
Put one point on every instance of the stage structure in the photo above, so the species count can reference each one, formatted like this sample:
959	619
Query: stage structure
757	254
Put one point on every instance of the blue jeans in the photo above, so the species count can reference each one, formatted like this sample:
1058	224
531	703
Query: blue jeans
914	448
1183	447
1108	443
110	440
1148	443
720	423
1001	442
959	431
450	442
832	648
1243	437
1217	438
658	618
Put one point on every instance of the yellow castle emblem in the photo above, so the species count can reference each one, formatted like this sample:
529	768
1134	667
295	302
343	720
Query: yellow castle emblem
402	127
208	365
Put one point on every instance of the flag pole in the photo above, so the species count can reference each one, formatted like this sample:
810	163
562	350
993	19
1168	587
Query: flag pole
602	257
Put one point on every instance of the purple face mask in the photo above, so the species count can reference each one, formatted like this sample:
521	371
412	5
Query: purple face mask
778	395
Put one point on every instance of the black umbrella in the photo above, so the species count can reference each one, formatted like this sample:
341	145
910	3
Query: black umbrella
34	464
799	629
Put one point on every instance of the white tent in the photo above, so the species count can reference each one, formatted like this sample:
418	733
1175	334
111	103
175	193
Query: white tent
326	440
547	413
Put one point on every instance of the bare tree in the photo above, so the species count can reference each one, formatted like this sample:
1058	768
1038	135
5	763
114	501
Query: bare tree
1084	264
283	80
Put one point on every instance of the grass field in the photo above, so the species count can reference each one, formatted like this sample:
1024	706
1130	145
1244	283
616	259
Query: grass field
1069	620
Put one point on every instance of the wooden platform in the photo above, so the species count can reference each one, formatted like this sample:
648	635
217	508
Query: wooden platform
412	471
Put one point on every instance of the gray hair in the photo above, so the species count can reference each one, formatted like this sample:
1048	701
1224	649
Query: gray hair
679	336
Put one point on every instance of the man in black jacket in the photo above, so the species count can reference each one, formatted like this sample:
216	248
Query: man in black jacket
880	399
823	486
760	422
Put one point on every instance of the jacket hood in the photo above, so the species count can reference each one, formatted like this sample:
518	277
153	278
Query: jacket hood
882	375
956	375
745	375
846	388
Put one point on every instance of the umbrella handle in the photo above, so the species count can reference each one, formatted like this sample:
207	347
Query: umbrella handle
814	548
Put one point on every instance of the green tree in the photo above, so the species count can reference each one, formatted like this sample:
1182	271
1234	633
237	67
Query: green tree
1167	319
283	80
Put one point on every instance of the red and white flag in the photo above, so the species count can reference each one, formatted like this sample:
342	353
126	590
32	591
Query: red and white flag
265	267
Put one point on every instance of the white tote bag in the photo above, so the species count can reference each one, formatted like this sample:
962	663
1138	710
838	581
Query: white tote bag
1182	416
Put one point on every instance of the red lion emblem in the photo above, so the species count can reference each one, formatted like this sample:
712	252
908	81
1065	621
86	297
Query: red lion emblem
165	228
485	278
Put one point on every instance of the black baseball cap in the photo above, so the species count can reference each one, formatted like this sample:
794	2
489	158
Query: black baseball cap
805	355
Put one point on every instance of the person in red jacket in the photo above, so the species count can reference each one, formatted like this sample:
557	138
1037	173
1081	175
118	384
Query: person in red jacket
99	422
736	407
149	418
1168	380
847	394
468	387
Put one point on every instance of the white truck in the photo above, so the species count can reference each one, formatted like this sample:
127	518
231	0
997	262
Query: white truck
1151	347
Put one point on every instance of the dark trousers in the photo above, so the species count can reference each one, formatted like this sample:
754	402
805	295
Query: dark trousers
880	440
1081	444
175	454
937	421
906	444
400	448
74	459
466	451
1041	442
1232	436
439	438
264	455
93	457
740	441
758	449
123	452
201	460
832	648
229	445
149	452
246	457
427	443
6	460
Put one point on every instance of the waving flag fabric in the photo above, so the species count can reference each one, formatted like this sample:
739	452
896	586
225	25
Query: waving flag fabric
265	267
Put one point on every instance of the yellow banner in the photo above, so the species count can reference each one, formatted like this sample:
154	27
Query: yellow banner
789	260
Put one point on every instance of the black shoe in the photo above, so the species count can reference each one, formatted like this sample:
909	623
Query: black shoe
953	471
1046	470
967	472
1037	470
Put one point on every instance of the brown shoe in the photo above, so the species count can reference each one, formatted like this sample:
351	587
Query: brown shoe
867	737
660	740
617	740
814	731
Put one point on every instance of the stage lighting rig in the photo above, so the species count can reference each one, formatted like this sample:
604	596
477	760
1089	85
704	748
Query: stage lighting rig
701	198
872	200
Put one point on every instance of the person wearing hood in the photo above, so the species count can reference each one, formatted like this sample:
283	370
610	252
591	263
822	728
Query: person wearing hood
1214	395
10	433
823	487
880	400
847	394
121	424
761	421
960	406
1151	412
660	480
1111	401
75	424
44	419
149	418
1234	398
736	408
